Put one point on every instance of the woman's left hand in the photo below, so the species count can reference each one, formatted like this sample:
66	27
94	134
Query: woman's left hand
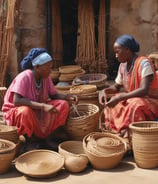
113	101
72	98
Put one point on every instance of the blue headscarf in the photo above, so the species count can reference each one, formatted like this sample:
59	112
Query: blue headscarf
26	63
128	41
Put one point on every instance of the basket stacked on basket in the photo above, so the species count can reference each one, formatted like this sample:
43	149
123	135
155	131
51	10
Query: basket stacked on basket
145	143
7	153
10	133
69	72
82	119
86	93
94	78
104	150
75	158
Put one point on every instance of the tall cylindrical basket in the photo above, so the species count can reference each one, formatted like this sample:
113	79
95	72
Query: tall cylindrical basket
145	143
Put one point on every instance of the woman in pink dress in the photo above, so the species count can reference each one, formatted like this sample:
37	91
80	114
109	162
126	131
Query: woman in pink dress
136	74
31	102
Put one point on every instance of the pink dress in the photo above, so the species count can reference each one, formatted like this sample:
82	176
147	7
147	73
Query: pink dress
30	121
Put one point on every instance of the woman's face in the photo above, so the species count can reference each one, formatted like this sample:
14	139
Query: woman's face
45	69
121	53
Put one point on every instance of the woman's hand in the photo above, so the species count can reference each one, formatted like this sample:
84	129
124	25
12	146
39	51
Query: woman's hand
102	97
72	98
113	101
49	108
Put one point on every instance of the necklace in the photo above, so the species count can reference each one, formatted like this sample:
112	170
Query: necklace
131	67
38	86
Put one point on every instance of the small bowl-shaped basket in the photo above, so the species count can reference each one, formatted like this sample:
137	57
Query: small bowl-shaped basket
75	158
95	79
107	156
7	153
82	122
70	69
145	143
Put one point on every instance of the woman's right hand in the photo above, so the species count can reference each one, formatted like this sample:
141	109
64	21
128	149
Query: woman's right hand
49	108
102	97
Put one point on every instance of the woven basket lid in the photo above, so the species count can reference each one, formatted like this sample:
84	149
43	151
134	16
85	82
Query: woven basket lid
40	163
70	69
83	89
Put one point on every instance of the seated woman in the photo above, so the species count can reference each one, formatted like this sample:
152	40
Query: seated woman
137	76
31	102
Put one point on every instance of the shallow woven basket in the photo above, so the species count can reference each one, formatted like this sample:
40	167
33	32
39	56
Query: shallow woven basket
104	155
77	126
94	78
70	69
75	158
145	143
7	153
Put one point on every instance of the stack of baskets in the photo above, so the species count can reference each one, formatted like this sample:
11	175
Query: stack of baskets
82	120
7	153
69	72
94	78
104	150
145	143
154	57
10	133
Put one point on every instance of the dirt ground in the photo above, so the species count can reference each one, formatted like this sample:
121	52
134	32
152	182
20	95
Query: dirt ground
127	172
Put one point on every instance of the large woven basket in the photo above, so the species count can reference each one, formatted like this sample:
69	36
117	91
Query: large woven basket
95	78
75	158
145	143
7	153
104	150
77	126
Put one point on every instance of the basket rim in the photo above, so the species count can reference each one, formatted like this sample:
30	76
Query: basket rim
84	117
108	155
11	147
144	129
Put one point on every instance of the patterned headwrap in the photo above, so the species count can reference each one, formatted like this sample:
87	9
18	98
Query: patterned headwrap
128	41
34	57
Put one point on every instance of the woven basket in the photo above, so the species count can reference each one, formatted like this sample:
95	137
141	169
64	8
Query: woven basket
104	150
79	126
75	158
7	153
154	57
95	78
9	133
70	69
145	143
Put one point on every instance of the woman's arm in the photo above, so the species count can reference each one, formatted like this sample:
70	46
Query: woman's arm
140	92
70	97
19	100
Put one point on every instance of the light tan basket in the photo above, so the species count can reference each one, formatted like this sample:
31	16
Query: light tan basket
154	57
102	156
70	69
145	143
75	158
7	153
77	126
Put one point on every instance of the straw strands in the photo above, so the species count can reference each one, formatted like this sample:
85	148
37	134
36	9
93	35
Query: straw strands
102	65
86	43
7	12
